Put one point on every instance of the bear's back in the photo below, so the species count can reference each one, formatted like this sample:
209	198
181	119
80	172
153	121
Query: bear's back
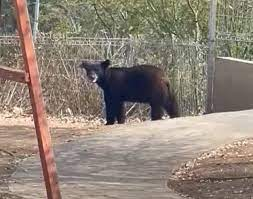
141	72
137	83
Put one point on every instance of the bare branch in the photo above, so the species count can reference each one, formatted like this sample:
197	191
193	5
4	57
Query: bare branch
191	7
102	21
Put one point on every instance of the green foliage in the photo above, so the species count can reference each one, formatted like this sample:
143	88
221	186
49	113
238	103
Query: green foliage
186	19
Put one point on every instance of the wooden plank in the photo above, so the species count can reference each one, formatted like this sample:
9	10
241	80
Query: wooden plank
14	74
39	114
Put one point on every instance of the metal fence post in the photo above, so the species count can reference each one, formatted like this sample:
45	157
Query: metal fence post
211	55
36	19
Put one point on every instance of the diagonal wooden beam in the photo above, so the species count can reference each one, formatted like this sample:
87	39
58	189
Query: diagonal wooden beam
14	74
39	114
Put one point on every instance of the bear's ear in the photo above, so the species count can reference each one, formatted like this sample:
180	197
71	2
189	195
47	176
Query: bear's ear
106	63
83	65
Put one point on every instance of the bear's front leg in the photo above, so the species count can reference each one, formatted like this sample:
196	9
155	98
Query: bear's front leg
121	117
110	114
110	111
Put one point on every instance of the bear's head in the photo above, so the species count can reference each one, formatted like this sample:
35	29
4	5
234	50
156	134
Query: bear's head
95	71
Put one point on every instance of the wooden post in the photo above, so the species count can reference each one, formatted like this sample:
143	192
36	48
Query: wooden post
211	55
14	74
42	130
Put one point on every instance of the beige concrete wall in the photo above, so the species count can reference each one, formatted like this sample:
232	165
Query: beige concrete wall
233	85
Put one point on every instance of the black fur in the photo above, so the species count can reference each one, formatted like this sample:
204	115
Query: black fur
142	83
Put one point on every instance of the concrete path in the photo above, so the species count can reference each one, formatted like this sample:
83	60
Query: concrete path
131	161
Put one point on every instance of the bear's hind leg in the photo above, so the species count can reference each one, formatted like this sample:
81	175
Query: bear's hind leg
171	109
156	112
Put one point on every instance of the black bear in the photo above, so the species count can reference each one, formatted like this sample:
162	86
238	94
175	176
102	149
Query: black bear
141	83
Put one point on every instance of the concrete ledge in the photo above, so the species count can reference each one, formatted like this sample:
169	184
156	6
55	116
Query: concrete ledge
235	60
233	81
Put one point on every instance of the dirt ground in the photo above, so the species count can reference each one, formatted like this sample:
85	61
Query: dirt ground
18	140
226	172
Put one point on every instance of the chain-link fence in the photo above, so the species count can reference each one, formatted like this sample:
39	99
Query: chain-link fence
66	91
234	30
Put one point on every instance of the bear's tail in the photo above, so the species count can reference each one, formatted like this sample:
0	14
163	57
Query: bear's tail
172	107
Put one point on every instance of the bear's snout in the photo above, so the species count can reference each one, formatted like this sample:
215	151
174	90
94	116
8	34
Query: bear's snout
93	77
